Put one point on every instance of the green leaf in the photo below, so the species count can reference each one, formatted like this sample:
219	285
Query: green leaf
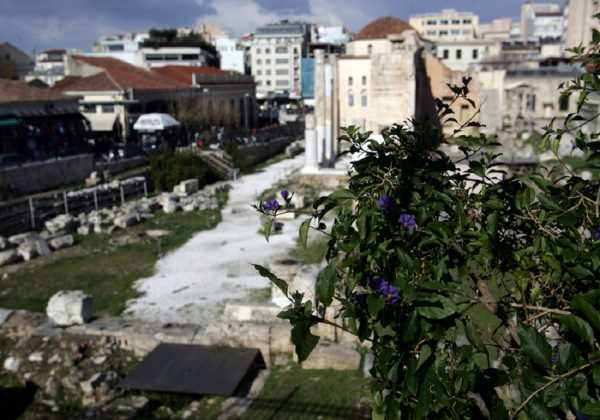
304	341
341	195
582	304
267	228
534	345
438	307
537	411
264	272
303	232
424	355
374	305
579	327
326	284
591	409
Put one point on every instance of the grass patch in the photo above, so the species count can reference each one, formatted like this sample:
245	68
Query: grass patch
314	252
292	393
101	269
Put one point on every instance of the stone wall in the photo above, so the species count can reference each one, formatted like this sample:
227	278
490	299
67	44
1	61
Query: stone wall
120	166
46	175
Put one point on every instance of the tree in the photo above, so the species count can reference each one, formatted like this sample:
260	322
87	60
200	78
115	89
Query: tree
476	291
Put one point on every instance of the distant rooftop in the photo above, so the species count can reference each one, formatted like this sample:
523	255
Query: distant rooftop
282	28
383	27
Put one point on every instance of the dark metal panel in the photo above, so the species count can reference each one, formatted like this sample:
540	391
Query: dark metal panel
194	369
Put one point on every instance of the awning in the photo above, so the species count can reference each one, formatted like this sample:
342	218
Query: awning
155	122
10	122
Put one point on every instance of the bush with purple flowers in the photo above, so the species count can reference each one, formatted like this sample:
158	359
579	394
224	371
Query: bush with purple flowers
477	298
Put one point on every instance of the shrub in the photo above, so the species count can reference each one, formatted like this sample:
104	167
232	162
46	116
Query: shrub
169	169
478	296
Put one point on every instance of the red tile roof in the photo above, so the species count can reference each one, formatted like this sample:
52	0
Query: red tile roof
185	74
118	75
17	91
383	27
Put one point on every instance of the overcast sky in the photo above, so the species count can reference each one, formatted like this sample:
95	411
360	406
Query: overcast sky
42	24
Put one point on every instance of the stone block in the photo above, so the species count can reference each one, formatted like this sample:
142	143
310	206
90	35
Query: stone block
61	223
333	356
3	243
27	250
62	242
186	188
68	308
22	237
9	257
127	220
244	313
84	230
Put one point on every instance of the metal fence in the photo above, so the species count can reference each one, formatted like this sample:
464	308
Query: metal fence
28	214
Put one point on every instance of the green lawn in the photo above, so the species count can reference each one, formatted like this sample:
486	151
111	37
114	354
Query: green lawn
101	269
291	393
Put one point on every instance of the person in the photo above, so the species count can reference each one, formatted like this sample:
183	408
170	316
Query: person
199	142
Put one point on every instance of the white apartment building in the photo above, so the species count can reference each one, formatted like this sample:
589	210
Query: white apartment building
130	48
579	22
233	56
447	24
276	52
462	55
541	21
49	67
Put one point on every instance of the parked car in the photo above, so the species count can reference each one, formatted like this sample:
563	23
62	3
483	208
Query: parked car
11	159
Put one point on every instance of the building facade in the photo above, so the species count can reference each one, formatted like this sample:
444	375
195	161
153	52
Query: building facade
447	24
541	21
14	63
580	22
233	57
497	29
276	53
461	55
49	67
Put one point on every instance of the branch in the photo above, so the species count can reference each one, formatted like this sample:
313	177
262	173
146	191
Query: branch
541	309
553	381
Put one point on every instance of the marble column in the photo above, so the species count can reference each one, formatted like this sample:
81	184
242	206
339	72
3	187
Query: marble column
320	103
311	162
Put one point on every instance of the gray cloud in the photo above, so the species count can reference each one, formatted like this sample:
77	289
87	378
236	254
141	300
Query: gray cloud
36	24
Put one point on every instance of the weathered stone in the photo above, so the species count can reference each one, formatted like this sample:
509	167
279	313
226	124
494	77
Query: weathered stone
127	220
52	387
61	223
36	357
186	188
333	356
62	242
170	206
27	250
9	257
12	364
190	207
3	243
22	237
68	308
88	387
84	230
99	360
4	315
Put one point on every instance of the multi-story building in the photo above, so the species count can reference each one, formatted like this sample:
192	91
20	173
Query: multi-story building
133	48
580	22
499	29
233	56
541	21
14	63
461	55
277	50
49	67
447	24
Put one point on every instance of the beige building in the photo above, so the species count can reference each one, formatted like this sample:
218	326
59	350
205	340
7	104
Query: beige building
580	22
498	29
447	24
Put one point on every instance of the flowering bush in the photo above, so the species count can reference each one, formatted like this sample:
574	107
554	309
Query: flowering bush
478	297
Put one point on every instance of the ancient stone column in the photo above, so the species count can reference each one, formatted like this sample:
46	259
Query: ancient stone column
320	103
335	106
328	97
311	162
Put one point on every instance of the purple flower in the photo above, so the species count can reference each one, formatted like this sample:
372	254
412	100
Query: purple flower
285	194
386	290
555	358
598	233
272	205
385	203
408	221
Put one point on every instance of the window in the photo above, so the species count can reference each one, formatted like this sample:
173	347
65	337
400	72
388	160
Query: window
455	22
268	82
475	54
350	100
458	54
108	109
268	72
190	57
350	81
431	33
268	61
466	32
282	61
295	50
282	72
531	102
281	50
258	51
455	32
432	22
258	72
118	47
363	101
364	80
467	21
282	83
563	103
89	108
267	51
443	33
446	54
444	22
258	61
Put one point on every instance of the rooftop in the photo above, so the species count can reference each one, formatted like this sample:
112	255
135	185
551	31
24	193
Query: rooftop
17	91
383	27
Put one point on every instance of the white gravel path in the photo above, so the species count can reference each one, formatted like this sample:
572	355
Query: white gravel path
192	283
